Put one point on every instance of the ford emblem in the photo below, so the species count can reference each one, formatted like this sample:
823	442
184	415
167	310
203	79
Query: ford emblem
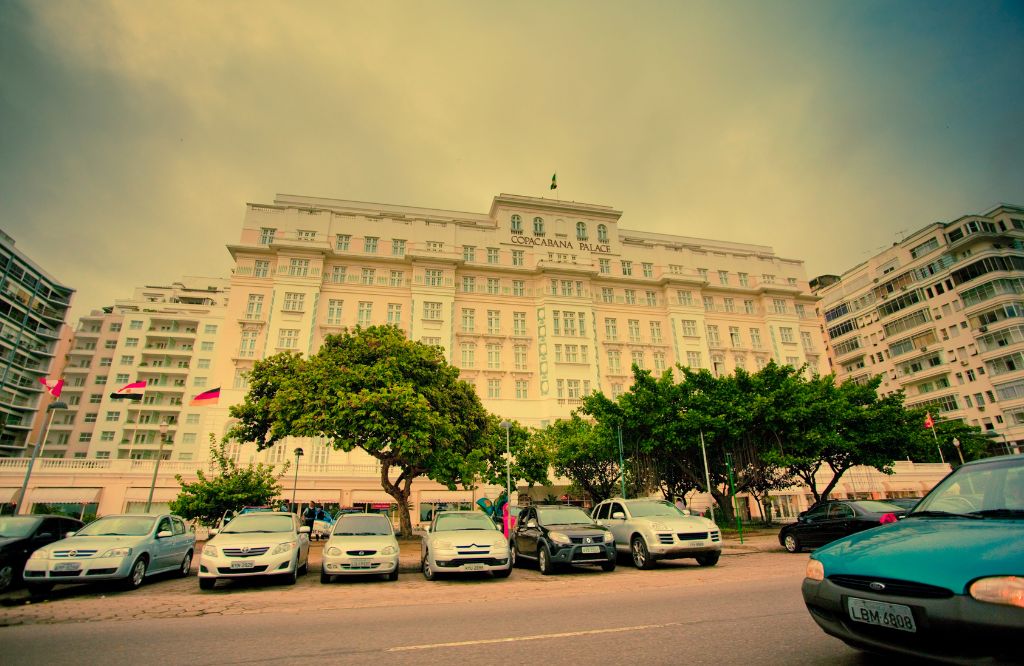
876	586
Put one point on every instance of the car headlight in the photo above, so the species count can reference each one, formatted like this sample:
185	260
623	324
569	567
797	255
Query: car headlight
388	550
117	552
41	554
333	551
1003	590
608	537
559	537
815	570
210	550
283	547
661	527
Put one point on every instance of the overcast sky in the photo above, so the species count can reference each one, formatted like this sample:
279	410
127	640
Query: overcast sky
132	133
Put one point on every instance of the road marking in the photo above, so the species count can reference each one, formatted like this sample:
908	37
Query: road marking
536	637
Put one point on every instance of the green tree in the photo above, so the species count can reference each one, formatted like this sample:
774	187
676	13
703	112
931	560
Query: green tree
584	453
974	443
371	388
207	498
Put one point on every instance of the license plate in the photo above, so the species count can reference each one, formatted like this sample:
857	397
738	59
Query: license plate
893	616
591	549
475	567
696	544
244	564
67	566
360	562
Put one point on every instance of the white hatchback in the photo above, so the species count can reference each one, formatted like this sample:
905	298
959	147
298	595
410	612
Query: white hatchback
360	544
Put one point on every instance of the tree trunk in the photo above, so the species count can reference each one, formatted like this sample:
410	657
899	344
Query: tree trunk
400	490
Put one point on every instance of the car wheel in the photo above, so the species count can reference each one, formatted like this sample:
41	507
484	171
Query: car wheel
709	560
791	543
514	554
641	555
186	565
207	583
292	577
39	588
325	578
544	561
136	575
6	577
428	573
608	566
304	569
393	576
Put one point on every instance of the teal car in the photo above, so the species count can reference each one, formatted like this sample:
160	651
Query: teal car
945	583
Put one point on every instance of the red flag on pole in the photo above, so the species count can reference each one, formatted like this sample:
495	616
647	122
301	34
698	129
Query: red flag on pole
53	386
928	421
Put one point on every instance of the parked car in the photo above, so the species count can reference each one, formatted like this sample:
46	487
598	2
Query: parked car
463	541
230	514
264	543
360	544
123	547
555	535
945	583
20	535
649	530
832	519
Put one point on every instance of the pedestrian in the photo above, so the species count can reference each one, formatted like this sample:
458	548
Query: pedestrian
309	517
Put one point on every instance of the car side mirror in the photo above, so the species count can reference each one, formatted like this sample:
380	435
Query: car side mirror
43	535
531	523
163	534
618	515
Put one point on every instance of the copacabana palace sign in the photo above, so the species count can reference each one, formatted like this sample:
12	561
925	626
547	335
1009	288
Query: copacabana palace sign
563	244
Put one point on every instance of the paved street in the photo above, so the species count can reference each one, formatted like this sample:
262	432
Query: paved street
747	609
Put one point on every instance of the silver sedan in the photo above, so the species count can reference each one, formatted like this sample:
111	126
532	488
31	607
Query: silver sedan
464	541
360	544
650	529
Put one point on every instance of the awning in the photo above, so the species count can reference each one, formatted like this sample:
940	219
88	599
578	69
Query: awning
435	497
7	495
303	496
160	495
64	495
373	496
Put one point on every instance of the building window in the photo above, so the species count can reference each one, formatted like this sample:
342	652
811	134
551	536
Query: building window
288	338
432	311
435	246
521	389
734	336
334	306
368	276
709	303
492	255
634	330
365	313
703	272
305	235
685	297
630	296
744	279
638	359
805	339
538	226
397	278
518	323
581	231
518	257
767	278
135	325
468	284
261	269
338	274
723	277
605	266
100	380
494	388
786	334
659	361
517	224
607	295
493	286
755	338
648	269
432	277
247	349
748	307
518	288
370	245
689	327
627	267
207	345
611	330
468	354
95	398
468	253
397	247
107	436
655	332
493	357
652	298
298	267
342	241
113	416
614	361
90	417
493	322
729	304
713	340
267	235
294	301
468	320
602	233
254	308
395	314
520	357
106	362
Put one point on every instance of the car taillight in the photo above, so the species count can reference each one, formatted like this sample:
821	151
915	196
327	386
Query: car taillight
887	518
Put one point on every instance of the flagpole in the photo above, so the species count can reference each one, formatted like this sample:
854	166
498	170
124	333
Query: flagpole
941	457
51	408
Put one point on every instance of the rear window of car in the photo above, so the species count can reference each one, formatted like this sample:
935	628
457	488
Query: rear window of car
260	522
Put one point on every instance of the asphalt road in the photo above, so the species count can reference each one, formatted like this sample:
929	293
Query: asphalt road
746	610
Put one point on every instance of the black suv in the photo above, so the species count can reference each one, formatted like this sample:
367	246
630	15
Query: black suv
557	534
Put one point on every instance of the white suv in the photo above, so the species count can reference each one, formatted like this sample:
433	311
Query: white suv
652	529
256	544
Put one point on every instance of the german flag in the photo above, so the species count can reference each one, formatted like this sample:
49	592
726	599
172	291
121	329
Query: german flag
206	398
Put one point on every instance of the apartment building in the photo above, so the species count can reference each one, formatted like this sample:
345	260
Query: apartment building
165	335
936	315
537	301
33	311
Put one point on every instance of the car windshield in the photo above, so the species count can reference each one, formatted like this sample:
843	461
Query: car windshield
449	522
17	526
260	522
368	525
119	526
985	490
567	516
645	509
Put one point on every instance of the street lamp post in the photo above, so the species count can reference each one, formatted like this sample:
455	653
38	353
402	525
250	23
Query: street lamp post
622	467
507	425
50	409
295	483
956	443
156	467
